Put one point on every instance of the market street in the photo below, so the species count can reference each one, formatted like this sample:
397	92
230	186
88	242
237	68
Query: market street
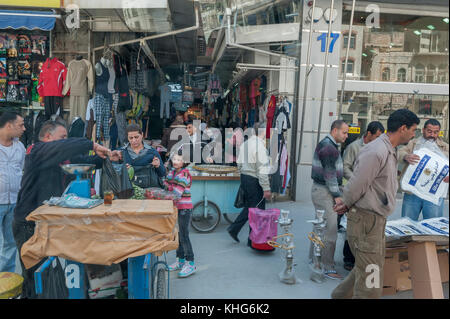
232	270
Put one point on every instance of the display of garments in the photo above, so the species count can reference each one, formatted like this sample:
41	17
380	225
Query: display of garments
251	118
101	79
39	44
254	91
78	106
165	96
52	78
102	115
24	91
80	78
281	122
3	90
13	91
52	105
121	121
124	103
90	118
263	88
111	80
271	109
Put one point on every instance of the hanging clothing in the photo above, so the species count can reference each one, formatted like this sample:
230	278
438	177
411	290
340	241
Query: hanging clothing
52	78
101	81
78	106
80	78
90	118
112	79
254	91
165	96
52	105
77	128
271	109
102	115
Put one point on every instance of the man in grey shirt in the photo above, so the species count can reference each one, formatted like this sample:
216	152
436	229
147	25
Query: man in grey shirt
12	157
369	198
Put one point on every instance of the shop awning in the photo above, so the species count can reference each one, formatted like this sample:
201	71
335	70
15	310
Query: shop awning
18	19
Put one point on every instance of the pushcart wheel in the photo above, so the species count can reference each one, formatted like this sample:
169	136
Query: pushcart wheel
230	217
202	223
160	283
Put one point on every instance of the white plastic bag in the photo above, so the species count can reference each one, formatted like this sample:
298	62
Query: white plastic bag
425	179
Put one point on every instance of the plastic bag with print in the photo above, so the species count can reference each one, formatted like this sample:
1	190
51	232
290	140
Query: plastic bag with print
425	179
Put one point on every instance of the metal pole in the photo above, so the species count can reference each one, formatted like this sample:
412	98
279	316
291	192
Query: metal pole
307	72
346	60
325	71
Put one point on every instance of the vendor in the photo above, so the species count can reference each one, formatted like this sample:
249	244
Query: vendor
140	155
44	178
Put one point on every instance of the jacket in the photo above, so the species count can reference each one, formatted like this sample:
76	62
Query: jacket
374	185
52	78
43	176
80	78
409	149
11	172
350	154
256	163
143	158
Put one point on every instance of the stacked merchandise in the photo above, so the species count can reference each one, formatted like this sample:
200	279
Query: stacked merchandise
407	227
18	55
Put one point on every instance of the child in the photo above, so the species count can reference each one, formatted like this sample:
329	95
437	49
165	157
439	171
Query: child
179	180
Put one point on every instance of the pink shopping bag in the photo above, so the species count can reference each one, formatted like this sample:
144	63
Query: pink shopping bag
263	224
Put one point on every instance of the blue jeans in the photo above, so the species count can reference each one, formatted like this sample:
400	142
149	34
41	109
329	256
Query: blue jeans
7	242
413	205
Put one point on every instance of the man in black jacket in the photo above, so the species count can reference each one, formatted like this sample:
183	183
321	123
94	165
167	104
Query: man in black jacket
43	178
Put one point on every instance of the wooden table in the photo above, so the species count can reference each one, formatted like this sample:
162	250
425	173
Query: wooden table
423	263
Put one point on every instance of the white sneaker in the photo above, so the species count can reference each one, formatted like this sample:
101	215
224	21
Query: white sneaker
187	270
176	265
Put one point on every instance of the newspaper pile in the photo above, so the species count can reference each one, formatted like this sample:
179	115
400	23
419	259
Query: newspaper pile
408	227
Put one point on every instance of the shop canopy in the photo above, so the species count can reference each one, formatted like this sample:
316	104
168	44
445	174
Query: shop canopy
18	19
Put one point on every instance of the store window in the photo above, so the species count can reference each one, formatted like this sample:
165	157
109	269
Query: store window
399	41
386	74
419	73
401	75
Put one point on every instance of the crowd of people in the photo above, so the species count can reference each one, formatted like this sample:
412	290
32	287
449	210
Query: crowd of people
368	165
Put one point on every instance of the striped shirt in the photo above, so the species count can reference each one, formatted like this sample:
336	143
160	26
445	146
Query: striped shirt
327	166
180	183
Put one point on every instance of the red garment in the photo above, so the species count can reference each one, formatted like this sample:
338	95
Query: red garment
271	108
254	91
52	77
243	92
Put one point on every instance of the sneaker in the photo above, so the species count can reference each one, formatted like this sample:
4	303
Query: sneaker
178	265
187	270
332	274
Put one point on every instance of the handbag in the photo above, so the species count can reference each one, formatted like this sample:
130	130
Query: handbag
239	202
146	176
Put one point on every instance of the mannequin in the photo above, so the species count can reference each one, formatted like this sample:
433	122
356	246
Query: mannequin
80	82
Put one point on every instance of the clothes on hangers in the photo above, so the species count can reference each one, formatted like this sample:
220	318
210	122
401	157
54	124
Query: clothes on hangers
102	115
254	91
52	78
271	109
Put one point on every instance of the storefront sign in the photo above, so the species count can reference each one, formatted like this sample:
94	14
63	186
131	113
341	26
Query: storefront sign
354	130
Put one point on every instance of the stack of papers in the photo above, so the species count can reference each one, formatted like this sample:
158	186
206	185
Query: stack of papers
408	227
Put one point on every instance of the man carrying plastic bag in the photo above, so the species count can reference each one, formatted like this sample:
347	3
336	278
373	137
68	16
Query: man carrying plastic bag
432	145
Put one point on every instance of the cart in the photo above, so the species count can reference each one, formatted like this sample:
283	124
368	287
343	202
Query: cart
213	196
105	235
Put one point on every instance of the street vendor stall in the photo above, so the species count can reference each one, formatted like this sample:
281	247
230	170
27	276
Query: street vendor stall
104	235
214	189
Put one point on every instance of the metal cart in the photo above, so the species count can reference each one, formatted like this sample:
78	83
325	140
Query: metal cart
213	196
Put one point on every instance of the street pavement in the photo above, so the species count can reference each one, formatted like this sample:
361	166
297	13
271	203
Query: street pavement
226	269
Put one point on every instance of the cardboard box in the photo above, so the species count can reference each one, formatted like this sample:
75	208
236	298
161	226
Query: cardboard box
443	265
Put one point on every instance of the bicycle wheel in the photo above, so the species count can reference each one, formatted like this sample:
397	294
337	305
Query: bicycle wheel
160	282
230	217
202	223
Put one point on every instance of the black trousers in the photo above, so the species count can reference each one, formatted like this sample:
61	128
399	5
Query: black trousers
184	250
253	197
22	231
51	106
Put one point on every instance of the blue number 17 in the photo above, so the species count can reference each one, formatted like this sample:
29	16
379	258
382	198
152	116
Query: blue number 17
323	38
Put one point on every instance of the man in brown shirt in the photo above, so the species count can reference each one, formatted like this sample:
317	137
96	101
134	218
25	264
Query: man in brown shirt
369	198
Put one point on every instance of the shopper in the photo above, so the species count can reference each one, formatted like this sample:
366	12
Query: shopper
179	180
369	198
143	158
12	157
196	145
327	173
374	130
44	178
412	204
166	140
254	166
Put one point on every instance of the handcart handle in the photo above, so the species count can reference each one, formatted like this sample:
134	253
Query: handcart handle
38	275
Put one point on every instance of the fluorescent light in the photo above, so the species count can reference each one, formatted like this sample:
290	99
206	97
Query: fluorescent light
417	32
445	20
431	27
364	54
